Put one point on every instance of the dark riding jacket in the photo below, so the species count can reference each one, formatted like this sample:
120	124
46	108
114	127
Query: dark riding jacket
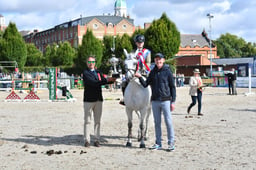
162	84
92	85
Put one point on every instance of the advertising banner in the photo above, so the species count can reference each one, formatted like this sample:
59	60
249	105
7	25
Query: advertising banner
52	83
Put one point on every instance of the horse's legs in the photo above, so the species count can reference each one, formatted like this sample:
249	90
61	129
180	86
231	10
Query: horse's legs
129	116
147	118
142	128
139	129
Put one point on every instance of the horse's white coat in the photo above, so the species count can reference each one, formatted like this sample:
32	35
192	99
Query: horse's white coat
136	98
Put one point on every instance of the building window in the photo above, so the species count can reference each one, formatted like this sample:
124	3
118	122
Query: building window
95	26
110	24
124	26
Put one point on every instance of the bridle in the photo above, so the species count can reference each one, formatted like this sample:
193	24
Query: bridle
132	71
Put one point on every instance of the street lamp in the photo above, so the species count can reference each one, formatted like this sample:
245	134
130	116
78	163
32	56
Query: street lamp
210	16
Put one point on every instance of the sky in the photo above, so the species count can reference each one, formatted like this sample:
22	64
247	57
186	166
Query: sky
236	17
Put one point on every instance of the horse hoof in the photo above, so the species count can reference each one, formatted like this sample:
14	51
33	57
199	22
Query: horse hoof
142	146
128	144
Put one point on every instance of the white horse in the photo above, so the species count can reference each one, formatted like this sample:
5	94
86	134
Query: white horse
136	98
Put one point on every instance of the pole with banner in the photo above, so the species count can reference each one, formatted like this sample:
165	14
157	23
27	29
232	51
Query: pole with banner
52	84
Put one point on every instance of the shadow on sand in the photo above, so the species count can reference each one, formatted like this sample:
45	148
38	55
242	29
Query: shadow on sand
75	140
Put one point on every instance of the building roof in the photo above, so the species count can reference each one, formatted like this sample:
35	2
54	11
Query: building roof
233	61
106	19
193	40
24	32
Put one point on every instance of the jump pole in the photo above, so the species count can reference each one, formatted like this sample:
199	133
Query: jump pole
53	87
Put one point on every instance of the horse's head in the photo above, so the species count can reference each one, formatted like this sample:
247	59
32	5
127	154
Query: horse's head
130	64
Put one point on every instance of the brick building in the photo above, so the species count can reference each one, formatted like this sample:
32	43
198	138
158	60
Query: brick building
73	31
194	49
194	52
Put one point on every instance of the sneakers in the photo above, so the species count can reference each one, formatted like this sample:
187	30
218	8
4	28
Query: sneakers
171	147
156	147
200	114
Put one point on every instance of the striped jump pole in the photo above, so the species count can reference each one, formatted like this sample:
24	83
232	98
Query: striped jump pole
14	97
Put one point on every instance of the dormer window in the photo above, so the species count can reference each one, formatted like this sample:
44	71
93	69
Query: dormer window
110	24
95	26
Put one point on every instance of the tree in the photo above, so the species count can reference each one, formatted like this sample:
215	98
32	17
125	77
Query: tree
50	55
107	52
249	50
34	56
65	54
14	48
90	46
231	46
1	34
123	43
163	36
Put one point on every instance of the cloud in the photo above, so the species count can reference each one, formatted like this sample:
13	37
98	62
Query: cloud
230	16
19	6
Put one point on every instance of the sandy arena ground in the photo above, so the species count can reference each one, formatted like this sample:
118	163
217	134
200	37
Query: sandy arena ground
49	135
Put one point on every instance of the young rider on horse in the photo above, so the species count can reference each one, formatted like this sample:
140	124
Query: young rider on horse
144	60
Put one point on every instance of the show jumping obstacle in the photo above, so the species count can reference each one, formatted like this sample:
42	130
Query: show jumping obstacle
30	84
15	97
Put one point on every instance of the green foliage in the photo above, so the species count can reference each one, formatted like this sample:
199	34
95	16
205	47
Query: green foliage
163	36
123	43
50	55
3	47
107	53
119	43
65	54
13	47
34	56
91	46
1	34
11	31
31	69
231	46
59	55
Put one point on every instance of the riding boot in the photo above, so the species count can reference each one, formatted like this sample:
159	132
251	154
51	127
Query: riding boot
123	90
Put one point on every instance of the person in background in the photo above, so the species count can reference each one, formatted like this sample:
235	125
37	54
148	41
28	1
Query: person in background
144	60
163	99
232	82
93	79
195	91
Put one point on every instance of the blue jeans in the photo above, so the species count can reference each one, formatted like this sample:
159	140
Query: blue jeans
158	108
199	99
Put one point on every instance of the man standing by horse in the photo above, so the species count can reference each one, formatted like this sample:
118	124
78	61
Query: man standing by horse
93	80
144	60
163	97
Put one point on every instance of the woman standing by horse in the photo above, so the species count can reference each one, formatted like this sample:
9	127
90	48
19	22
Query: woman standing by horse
163	97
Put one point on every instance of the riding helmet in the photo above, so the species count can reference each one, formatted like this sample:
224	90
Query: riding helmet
139	38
